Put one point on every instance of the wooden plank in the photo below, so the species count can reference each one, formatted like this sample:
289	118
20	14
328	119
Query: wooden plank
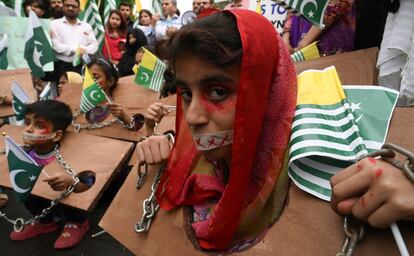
133	98
308	226
24	78
354	68
83	152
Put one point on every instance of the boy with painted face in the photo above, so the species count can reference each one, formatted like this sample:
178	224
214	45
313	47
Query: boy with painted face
45	124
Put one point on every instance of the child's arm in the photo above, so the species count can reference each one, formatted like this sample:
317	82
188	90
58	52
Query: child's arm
61	182
373	191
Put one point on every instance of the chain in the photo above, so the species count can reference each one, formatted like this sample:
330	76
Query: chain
150	205
19	223
142	175
354	232
77	126
387	153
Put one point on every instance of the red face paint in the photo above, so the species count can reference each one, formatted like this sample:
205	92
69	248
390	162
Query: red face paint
222	106
360	166
46	129
372	160
378	172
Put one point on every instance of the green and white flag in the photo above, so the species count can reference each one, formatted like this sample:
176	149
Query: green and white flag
4	46
23	170
20	99
90	14
92	94
312	10
150	72
156	6
46	94
334	126
37	51
16	5
109	5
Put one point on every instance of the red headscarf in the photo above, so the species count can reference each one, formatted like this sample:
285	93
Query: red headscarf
264	112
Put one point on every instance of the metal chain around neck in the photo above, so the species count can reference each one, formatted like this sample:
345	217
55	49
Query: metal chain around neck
19	223
150	205
77	126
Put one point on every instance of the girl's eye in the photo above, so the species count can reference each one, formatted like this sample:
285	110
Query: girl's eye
185	94
218	94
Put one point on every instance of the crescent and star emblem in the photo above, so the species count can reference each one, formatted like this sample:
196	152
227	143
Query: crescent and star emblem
13	175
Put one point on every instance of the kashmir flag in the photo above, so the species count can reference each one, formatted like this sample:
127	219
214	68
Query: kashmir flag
37	50
23	170
150	72
109	5
20	99
4	45
259	6
333	126
77	59
309	52
16	5
138	6
92	94
90	14
312	10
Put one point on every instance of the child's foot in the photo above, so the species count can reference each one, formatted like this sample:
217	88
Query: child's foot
71	235
33	230
3	199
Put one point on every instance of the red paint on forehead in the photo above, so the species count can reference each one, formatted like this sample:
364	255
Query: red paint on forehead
222	106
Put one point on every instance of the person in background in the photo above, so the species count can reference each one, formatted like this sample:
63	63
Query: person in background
203	4
169	22
115	33
135	40
38	6
69	37
146	23
336	37
56	9
126	11
237	4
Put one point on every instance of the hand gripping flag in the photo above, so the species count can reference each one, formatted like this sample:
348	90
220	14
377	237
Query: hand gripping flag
92	94
4	45
20	99
312	10
334	126
309	52
37	50
150	72
23	170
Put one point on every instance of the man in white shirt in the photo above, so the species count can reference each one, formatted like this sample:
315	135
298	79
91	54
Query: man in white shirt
69	34
170	21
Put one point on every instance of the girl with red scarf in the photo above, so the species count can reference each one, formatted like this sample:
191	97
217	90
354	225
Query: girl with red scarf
115	40
237	88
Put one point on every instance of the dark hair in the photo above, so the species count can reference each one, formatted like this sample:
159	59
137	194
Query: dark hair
40	3
141	12
75	1
125	4
122	27
169	85
54	111
214	38
127	60
108	69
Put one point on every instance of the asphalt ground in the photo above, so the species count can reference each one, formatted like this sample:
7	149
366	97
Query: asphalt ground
43	245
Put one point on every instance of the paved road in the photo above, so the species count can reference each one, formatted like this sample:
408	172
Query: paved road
43	245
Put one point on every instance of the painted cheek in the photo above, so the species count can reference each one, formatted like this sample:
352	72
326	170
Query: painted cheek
46	129
224	106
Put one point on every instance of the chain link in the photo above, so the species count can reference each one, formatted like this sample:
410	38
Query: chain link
142	175
19	223
150	205
354	231
77	126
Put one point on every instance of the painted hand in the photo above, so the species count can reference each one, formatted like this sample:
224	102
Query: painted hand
155	112
373	191
154	150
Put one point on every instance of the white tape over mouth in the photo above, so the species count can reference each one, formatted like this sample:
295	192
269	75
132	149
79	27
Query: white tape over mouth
209	141
33	137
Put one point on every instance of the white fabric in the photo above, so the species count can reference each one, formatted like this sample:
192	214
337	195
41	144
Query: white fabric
397	47
163	23
66	38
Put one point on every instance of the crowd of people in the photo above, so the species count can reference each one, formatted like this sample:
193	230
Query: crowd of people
229	191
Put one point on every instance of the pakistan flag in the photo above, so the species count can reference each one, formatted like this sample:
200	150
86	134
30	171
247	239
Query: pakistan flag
3	52
20	99
23	170
37	51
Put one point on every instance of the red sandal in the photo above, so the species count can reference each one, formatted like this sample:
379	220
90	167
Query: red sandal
71	235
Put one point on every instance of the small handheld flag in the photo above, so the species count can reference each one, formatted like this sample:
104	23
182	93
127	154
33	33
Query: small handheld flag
313	10
92	94
23	170
4	45
150	72
20	99
309	52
